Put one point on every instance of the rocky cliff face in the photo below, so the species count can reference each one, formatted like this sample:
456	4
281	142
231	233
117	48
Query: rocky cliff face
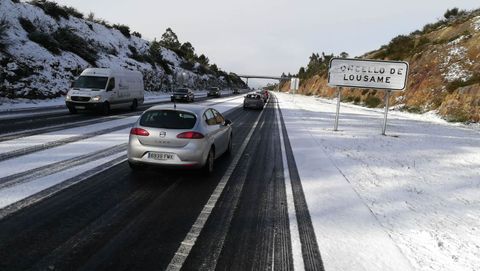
444	72
44	46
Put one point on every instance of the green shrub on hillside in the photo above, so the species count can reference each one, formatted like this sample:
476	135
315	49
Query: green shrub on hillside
27	25
55	10
399	48
136	34
45	40
51	8
4	26
125	30
155	57
71	42
372	101
475	79
136	55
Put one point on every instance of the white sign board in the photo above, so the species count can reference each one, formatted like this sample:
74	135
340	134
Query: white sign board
360	73
294	83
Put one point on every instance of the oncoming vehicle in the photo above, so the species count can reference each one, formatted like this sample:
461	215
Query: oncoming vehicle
103	89
188	136
183	94
236	91
253	100
213	92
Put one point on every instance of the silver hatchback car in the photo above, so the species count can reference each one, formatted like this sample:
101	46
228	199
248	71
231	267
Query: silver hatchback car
187	136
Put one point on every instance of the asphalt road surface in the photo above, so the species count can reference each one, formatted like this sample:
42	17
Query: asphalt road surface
157	219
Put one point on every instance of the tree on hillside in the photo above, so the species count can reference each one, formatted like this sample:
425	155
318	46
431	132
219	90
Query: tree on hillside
170	40
214	68
301	73
451	13
344	55
202	59
188	51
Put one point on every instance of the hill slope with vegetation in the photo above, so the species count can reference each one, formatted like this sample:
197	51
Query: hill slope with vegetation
44	46
444	75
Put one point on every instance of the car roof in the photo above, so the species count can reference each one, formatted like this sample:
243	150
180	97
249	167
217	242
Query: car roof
196	109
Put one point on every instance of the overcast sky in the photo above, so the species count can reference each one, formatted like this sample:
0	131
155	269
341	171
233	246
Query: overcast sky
268	37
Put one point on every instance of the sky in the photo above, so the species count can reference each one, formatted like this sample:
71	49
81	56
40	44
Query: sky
268	37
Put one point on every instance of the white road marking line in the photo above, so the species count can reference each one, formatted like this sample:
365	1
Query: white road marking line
297	255
186	246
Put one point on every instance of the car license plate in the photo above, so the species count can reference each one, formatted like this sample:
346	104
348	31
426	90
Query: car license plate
79	107
178	96
160	156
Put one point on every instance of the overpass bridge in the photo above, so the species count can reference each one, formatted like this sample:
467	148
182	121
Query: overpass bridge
279	78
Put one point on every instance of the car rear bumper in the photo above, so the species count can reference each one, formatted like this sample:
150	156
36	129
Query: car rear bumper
192	155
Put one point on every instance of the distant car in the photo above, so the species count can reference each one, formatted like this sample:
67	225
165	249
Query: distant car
214	92
183	94
187	136
263	95
236	91
253	101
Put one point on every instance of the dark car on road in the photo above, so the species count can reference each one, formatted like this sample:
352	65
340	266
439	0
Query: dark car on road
263	94
236	91
213	92
253	101
183	94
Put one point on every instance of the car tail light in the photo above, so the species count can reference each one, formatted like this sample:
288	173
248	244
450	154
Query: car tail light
190	135
139	132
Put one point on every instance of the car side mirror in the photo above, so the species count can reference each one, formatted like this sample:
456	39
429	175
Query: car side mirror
227	122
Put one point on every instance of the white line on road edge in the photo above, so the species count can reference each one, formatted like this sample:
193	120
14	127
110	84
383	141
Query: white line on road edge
186	246
297	256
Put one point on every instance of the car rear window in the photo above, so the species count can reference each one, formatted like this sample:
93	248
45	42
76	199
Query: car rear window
253	96
168	119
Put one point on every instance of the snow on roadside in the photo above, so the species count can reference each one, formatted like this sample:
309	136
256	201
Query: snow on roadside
374	198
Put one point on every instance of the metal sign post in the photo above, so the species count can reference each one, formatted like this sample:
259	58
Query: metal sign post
339	96
387	99
370	74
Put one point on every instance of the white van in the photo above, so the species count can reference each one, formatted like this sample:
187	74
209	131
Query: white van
103	89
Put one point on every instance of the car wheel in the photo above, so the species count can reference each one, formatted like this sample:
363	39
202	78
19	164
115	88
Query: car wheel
134	105
208	168
72	110
106	108
230	145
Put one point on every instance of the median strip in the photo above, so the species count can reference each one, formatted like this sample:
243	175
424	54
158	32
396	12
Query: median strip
46	170
61	142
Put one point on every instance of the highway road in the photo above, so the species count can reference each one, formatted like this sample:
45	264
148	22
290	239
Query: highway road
237	218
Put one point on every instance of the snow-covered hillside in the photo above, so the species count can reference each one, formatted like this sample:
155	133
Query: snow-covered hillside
30	70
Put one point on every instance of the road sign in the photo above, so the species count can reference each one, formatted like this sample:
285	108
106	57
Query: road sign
294	83
363	73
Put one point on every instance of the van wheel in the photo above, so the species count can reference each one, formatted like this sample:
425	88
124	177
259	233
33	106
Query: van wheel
106	108
134	105
208	168
72	110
